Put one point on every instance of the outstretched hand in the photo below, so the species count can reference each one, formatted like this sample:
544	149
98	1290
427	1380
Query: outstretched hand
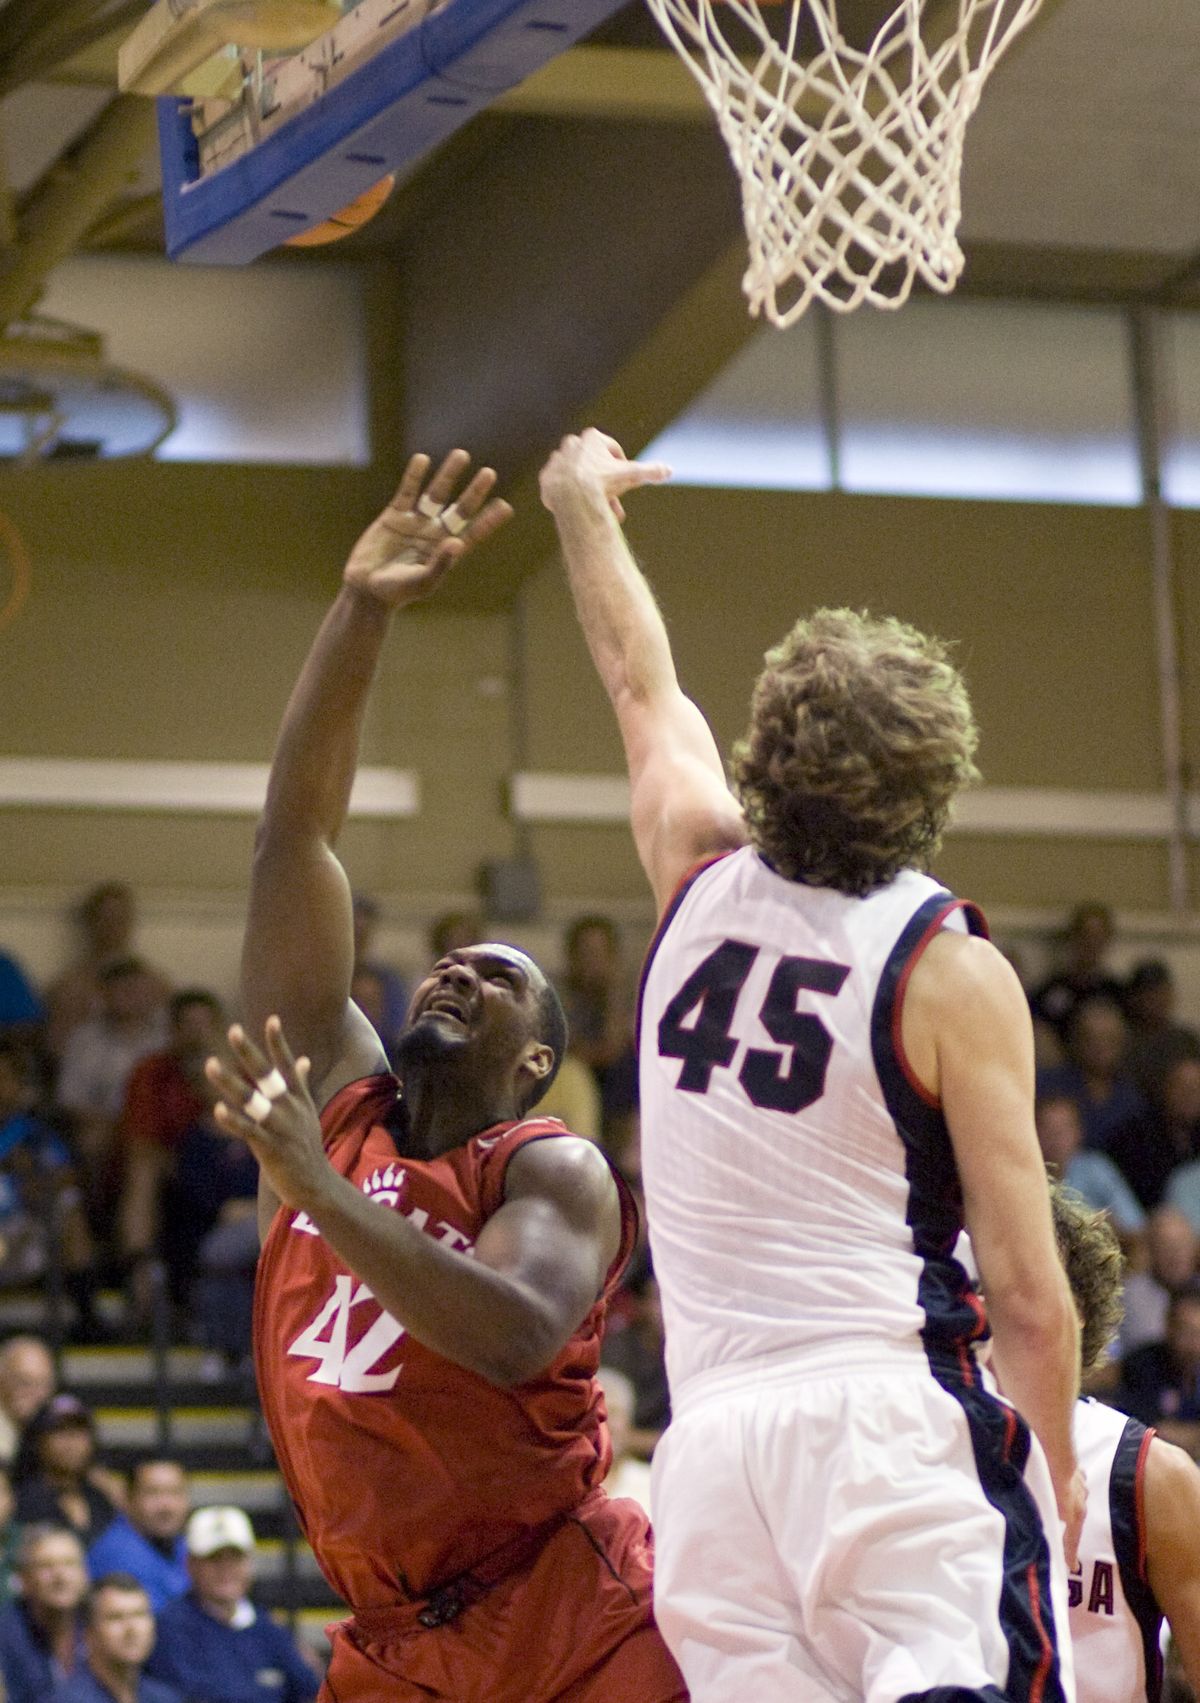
424	530
269	1107
595	465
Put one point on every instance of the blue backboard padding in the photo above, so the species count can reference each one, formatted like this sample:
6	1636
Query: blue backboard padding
382	118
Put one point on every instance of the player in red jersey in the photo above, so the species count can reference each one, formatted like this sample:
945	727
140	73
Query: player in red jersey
435	1263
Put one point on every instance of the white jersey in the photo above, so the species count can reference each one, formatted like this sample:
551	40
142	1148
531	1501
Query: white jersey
801	1188
1115	1621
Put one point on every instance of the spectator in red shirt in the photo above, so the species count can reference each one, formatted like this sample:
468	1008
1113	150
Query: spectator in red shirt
166	1095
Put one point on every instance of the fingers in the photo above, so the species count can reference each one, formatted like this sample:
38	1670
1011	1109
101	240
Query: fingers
410	484
485	523
282	1057
267	1077
252	1060
447	476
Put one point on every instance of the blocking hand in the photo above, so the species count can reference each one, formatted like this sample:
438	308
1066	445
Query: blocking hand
596	465
424	530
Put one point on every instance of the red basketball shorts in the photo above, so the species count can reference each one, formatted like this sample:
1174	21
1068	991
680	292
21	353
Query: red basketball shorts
575	1625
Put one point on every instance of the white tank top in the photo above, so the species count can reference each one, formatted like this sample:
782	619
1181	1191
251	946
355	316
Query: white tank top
1115	1621
801	1189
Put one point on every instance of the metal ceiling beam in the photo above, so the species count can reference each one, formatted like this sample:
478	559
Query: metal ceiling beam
72	30
76	191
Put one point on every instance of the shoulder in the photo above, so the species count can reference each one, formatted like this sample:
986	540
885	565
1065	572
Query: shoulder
153	1691
180	1617
118	1537
1172	1500
962	980
566	1169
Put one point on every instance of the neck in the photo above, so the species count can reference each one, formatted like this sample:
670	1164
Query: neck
64	1482
58	1625
219	1610
442	1111
121	1678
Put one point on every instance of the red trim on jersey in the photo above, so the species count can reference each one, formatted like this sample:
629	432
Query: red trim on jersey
935	927
664	922
1139	1501
1038	1684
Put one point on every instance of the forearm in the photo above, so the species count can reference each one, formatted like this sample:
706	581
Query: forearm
1036	1359
452	1304
617	611
317	752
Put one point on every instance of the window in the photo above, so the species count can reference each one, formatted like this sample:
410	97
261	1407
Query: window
266	363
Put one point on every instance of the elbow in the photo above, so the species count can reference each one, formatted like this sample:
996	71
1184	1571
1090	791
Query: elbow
518	1353
1038	1318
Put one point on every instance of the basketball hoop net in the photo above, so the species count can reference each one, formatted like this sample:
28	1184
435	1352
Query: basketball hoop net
849	160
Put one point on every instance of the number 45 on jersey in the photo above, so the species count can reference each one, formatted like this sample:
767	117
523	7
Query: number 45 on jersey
770	1079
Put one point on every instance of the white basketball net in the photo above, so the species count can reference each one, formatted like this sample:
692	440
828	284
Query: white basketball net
850	163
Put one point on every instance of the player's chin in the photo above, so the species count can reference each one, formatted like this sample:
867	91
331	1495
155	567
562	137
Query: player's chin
434	1035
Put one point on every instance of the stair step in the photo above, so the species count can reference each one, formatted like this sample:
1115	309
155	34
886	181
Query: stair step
130	1364
252	1490
137	1427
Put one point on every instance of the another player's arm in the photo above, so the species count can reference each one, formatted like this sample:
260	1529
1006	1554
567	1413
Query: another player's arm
298	951
681	807
537	1267
966	1032
1172	1528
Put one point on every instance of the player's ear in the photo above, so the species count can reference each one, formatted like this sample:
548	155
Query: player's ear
537	1062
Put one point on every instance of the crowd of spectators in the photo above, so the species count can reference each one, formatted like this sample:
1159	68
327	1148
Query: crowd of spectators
157	1609
112	1167
111	1586
1118	1118
114	1172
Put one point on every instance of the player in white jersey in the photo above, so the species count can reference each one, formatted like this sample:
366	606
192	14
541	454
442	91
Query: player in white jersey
837	1073
1139	1551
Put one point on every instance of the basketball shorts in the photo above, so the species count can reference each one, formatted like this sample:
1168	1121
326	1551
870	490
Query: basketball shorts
576	1625
856	1535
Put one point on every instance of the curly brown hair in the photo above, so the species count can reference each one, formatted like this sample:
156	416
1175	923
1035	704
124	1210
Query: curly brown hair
1095	1268
861	733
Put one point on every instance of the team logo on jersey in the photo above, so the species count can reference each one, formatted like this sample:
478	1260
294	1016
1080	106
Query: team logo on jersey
384	1185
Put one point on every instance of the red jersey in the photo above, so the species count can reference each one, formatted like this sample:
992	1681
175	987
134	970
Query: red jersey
407	1469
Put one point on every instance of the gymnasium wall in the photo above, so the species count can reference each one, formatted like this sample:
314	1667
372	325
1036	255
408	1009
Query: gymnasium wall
171	607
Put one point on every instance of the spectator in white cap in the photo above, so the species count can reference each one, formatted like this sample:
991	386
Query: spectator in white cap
213	1644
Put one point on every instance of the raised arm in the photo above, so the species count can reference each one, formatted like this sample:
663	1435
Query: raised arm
681	807
538	1265
1172	1532
966	1033
298	951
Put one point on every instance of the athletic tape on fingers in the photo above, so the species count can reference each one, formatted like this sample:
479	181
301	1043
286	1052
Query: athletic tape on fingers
427	507
272	1084
257	1106
452	520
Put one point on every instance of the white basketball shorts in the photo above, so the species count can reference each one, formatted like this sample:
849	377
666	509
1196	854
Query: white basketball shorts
859	1535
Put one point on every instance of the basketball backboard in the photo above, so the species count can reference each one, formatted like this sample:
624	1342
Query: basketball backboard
312	131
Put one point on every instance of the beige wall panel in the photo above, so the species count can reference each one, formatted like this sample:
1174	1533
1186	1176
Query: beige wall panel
127	650
1020	872
1049	605
589	866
